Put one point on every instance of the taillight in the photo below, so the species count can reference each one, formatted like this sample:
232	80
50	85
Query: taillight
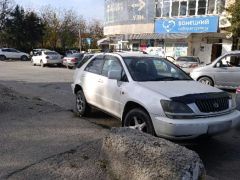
193	65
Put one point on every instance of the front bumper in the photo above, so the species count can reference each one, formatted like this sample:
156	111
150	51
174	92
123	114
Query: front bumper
192	128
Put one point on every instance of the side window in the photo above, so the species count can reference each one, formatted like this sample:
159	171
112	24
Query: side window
95	66
111	63
83	61
5	50
230	61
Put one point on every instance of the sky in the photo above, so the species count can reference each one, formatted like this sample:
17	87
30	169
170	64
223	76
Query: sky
90	9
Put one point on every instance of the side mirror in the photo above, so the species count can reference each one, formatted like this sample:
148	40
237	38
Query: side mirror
115	74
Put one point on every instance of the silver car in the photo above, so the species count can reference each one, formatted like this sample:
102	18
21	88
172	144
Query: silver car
187	63
224	72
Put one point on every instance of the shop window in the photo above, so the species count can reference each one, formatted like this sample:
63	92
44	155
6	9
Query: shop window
159	8
211	6
183	8
202	7
192	7
220	6
175	8
166	8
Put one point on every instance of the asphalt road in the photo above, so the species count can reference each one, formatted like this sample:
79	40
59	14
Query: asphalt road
221	154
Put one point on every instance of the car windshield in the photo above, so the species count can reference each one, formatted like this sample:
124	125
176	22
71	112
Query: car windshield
51	53
188	59
153	69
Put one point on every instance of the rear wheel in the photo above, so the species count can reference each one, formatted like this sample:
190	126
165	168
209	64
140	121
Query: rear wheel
2	58
82	107
206	80
24	58
139	119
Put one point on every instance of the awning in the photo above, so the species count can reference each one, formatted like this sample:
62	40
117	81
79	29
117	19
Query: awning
147	36
104	41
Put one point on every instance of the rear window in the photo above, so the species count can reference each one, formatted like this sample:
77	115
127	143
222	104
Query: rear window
50	53
188	59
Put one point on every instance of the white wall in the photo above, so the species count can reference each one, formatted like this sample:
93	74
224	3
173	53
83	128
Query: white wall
201	49
227	46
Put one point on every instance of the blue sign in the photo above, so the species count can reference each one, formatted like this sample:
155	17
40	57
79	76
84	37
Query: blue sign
200	24
89	41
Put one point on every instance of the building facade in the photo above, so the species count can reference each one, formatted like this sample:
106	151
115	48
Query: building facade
169	27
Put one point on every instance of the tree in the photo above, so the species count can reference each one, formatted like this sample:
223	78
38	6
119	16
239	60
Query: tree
52	24
96	32
234	11
5	10
14	28
33	29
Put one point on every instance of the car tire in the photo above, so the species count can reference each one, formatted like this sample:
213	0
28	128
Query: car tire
206	80
33	63
42	64
140	120
24	58
2	58
82	107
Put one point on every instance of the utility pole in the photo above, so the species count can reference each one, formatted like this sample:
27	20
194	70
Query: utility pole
80	40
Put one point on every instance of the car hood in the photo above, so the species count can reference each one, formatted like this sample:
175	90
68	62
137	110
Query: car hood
178	88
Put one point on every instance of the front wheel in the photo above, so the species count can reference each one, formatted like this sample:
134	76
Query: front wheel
206	80
82	106
24	58
138	119
42	64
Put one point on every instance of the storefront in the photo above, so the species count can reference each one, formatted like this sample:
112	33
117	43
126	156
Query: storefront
169	27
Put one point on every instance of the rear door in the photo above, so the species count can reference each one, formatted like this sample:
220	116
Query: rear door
90	80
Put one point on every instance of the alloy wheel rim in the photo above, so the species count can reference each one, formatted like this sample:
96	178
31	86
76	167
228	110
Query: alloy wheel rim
207	82
138	124
80	103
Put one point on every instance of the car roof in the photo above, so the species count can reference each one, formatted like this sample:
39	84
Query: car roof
128	54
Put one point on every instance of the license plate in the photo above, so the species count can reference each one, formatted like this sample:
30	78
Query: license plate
217	128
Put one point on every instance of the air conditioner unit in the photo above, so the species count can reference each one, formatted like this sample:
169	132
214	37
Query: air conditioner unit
224	22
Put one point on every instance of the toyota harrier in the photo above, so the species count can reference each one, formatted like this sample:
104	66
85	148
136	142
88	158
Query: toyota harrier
152	95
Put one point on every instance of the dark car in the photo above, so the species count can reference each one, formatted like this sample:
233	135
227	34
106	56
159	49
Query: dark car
71	60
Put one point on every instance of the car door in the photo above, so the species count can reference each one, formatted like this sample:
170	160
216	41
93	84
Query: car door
90	79
6	52
111	90
227	71
14	53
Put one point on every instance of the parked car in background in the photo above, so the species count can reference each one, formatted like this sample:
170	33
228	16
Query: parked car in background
187	63
44	58
224	72
71	60
68	52
11	53
238	90
36	51
151	94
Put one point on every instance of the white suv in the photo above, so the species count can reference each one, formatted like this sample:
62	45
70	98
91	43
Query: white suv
10	53
153	95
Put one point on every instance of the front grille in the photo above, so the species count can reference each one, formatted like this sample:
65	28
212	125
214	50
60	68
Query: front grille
213	105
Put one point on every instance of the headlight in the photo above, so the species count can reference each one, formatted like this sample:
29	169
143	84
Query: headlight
176	110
